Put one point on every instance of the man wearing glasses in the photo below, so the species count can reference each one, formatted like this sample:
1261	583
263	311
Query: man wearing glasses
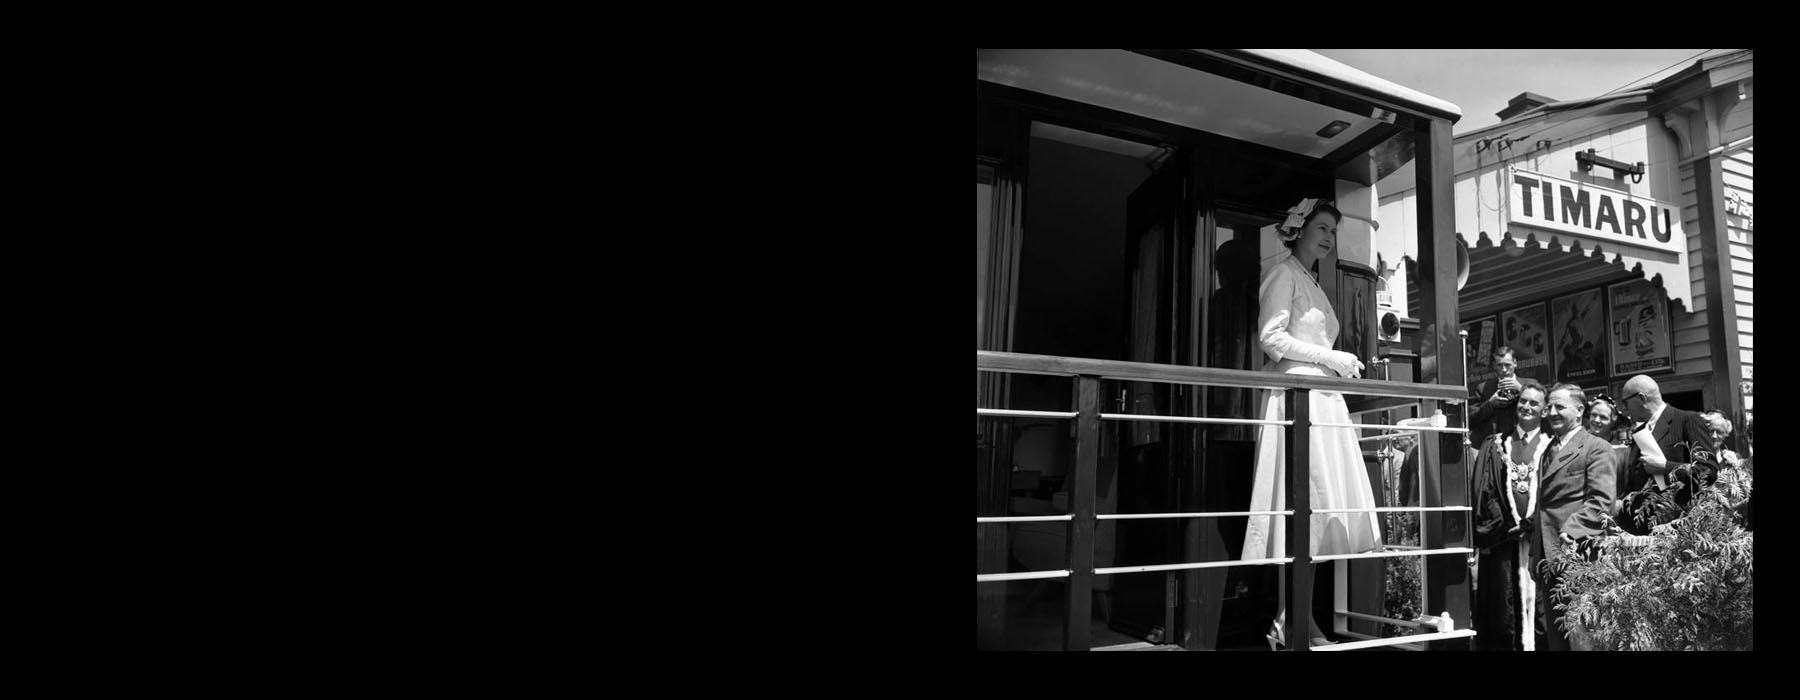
1681	435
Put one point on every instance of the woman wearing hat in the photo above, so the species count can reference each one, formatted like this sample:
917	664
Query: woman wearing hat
1297	328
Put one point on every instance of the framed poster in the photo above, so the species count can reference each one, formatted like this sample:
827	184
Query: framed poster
1578	327
1479	352
1639	332
1527	331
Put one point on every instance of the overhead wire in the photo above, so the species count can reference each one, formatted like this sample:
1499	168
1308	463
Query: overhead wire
1537	153
1602	104
1502	142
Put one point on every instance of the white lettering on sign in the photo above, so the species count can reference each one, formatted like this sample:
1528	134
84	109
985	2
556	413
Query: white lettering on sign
1599	214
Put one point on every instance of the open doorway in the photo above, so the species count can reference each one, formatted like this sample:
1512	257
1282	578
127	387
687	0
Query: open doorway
1073	291
1140	252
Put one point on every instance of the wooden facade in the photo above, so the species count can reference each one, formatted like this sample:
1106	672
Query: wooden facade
1693	133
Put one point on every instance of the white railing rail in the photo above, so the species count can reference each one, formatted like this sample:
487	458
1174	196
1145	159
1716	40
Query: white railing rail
1089	372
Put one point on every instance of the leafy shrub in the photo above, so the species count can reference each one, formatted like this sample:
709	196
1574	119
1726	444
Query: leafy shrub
1402	579
1688	586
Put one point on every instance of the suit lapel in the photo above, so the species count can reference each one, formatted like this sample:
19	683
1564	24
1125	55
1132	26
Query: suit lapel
1673	424
1564	456
1664	424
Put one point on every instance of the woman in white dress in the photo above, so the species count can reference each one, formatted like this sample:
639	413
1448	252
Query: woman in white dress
1297	328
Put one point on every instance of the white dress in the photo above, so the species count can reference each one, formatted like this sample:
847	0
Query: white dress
1294	308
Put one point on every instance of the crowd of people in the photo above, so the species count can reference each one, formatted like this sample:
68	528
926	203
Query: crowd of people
1556	467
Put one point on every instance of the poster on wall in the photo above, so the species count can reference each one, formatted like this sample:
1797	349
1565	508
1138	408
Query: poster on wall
1527	331
1479	352
1578	322
1640	329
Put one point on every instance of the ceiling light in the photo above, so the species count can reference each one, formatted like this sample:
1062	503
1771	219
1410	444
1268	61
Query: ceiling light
1333	129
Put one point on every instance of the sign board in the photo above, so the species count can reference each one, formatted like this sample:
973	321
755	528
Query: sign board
1598	214
1639	332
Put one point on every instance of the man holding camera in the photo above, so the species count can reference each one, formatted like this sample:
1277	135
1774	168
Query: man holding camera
1495	414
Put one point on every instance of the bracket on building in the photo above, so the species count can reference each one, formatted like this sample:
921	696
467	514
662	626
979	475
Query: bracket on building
1588	160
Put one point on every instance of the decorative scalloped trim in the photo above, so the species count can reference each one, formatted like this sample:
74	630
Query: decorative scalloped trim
1557	244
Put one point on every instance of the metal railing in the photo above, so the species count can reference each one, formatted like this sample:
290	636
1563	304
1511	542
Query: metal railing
1083	517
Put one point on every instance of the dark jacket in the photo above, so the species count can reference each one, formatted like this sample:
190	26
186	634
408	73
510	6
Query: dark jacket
1497	607
1493	415
1675	432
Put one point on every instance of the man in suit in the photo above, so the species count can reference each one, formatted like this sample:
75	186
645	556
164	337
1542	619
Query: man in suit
1495	414
1676	432
1575	494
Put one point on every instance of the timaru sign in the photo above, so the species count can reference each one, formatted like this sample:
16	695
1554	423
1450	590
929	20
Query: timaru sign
1606	216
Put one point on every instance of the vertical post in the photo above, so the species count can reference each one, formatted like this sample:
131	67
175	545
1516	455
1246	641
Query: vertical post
1299	499
1202	590
1446	584
1078	610
1340	594
1715	258
1012	137
993	453
1432	494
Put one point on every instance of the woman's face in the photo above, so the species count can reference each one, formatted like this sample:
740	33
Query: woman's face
1317	237
1715	428
1600	419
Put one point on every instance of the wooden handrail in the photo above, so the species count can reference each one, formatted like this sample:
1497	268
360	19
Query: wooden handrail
1209	376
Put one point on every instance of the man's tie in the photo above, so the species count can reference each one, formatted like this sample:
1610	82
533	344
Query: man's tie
1550	453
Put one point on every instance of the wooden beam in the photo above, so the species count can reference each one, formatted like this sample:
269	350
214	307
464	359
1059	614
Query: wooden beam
1078	612
1441	363
1299	594
1360	148
1715	251
1149	371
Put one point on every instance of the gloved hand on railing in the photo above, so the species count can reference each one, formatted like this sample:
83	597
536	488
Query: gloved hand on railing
1284	345
1343	363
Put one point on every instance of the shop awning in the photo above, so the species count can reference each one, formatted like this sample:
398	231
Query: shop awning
1512	272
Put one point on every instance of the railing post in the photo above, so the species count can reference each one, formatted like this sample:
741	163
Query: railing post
1078	610
1445	577
1299	499
1446	581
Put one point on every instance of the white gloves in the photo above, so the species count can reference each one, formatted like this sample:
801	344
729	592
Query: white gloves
1345	364
1276	338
